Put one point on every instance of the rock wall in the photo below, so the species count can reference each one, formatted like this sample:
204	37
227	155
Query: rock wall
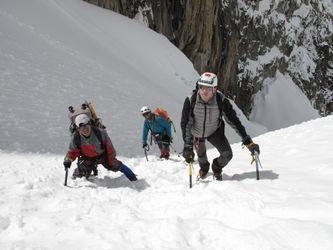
245	42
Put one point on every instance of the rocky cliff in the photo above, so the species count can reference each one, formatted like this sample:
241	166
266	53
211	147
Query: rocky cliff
246	42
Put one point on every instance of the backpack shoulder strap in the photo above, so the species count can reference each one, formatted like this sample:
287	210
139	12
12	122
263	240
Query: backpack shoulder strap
98	134
77	140
219	100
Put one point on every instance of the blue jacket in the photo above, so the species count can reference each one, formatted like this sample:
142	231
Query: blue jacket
157	126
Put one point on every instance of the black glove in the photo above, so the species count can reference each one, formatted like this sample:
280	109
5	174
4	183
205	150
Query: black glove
67	164
247	141
253	148
188	154
145	146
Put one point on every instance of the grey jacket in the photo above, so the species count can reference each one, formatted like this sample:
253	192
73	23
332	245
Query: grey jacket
206	118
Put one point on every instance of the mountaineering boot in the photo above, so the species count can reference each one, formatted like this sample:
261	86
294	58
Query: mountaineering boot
204	167
218	177
217	170
95	171
164	154
77	174
127	172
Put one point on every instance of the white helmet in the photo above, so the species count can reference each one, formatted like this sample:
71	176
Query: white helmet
145	110
81	119
208	79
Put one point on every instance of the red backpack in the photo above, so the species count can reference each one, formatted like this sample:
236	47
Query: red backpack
164	114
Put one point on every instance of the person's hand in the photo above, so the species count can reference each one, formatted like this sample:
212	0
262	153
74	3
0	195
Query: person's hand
67	164
253	147
188	154
145	146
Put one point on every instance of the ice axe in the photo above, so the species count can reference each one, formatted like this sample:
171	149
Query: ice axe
146	148
66	176
255	158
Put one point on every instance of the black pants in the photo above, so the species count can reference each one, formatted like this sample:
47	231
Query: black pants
220	142
87	166
163	142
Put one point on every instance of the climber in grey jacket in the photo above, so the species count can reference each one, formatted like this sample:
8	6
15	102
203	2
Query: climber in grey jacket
202	120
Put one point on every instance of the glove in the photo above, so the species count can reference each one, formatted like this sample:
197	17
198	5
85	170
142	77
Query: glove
253	147
188	154
145	146
67	164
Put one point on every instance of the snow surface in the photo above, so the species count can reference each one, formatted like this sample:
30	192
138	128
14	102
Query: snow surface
290	207
58	53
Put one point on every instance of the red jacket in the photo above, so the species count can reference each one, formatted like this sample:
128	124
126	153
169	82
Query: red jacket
91	147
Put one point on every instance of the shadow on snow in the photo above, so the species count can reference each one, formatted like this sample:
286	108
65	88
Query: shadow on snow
120	182
263	175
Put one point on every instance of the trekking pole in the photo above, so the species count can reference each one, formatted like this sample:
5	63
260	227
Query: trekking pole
66	176
255	158
175	151
146	149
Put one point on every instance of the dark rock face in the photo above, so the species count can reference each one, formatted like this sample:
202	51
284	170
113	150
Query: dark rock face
246	42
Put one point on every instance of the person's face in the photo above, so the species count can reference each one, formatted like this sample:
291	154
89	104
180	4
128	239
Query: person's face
206	93
85	130
148	116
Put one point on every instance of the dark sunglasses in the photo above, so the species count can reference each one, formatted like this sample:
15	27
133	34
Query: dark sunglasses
82	126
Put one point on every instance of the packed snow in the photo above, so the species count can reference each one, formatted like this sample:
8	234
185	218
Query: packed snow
290	207
57	53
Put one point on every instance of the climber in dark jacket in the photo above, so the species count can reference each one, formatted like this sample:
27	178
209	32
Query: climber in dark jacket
202	120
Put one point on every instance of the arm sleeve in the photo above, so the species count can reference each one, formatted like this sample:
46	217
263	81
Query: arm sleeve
187	123
185	117
145	131
73	152
110	150
232	119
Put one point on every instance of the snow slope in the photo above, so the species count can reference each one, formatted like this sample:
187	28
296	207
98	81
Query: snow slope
273	108
57	53
289	208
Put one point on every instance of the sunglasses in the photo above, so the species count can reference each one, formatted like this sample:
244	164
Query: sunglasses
82	126
205	88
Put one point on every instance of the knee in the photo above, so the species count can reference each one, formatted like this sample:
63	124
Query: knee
227	155
114	167
223	159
